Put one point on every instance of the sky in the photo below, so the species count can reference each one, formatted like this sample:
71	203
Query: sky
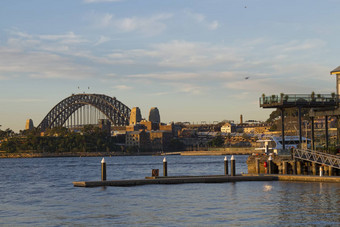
188	58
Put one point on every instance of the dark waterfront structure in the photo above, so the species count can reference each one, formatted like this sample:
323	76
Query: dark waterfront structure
319	105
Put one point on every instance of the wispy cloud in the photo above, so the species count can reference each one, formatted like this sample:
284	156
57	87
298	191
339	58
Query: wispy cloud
148	26
299	45
166	76
180	54
102	39
20	100
40	65
201	19
99	1
123	87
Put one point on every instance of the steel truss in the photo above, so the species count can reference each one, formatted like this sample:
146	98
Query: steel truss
114	110
317	157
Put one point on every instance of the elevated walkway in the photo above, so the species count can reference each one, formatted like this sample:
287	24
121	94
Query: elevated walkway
317	157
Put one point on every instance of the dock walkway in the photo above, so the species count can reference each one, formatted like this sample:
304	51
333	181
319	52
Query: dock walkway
205	179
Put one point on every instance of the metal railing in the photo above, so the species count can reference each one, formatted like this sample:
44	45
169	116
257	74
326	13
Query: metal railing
317	157
299	98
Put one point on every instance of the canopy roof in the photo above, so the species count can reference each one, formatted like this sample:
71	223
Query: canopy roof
336	71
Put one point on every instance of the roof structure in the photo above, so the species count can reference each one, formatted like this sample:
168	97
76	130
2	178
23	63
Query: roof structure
336	71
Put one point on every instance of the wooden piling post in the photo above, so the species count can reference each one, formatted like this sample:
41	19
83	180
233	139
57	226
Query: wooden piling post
226	166
294	168
285	167
232	166
103	164
298	167
314	168
257	166
165	167
330	171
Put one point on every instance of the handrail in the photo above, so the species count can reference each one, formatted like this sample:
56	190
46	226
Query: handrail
299	98
317	157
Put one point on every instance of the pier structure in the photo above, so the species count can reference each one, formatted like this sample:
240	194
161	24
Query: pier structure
319	106
324	105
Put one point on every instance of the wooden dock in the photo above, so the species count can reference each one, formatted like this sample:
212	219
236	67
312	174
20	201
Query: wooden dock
205	179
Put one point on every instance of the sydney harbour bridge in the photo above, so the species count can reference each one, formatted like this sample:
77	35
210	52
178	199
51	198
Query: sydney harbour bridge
84	109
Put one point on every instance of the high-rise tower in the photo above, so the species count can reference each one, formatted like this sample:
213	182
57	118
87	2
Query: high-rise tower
154	116
135	116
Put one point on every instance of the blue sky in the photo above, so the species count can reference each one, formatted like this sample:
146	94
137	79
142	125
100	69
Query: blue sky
188	58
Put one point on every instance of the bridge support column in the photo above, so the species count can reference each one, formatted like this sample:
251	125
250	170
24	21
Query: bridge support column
314	168
313	138
283	128
298	168
326	129
300	126
338	130
330	171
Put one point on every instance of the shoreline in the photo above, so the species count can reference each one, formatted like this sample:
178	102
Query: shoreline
4	155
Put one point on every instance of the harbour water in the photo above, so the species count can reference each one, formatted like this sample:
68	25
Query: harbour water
39	192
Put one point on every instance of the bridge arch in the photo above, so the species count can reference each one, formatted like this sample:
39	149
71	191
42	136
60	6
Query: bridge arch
115	111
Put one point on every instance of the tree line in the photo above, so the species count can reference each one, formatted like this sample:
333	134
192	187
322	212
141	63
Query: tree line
60	139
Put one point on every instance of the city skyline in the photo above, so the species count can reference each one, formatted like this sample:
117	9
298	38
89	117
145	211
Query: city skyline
193	60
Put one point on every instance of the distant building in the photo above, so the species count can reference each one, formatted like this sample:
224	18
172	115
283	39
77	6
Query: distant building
160	140
228	128
255	128
29	124
138	139
137	127
135	116
149	125
154	116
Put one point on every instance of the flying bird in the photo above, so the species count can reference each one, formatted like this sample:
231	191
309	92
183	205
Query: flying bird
246	78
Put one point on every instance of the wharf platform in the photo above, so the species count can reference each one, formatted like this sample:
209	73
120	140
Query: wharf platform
205	179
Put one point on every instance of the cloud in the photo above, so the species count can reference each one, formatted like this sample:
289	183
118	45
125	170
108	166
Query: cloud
40	65
68	38
58	43
299	45
183	54
20	100
179	54
102	39
166	76
201	19
148	26
100	1
122	87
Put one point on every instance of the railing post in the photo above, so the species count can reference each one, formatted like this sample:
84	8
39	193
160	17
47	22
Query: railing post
270	165
313	138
